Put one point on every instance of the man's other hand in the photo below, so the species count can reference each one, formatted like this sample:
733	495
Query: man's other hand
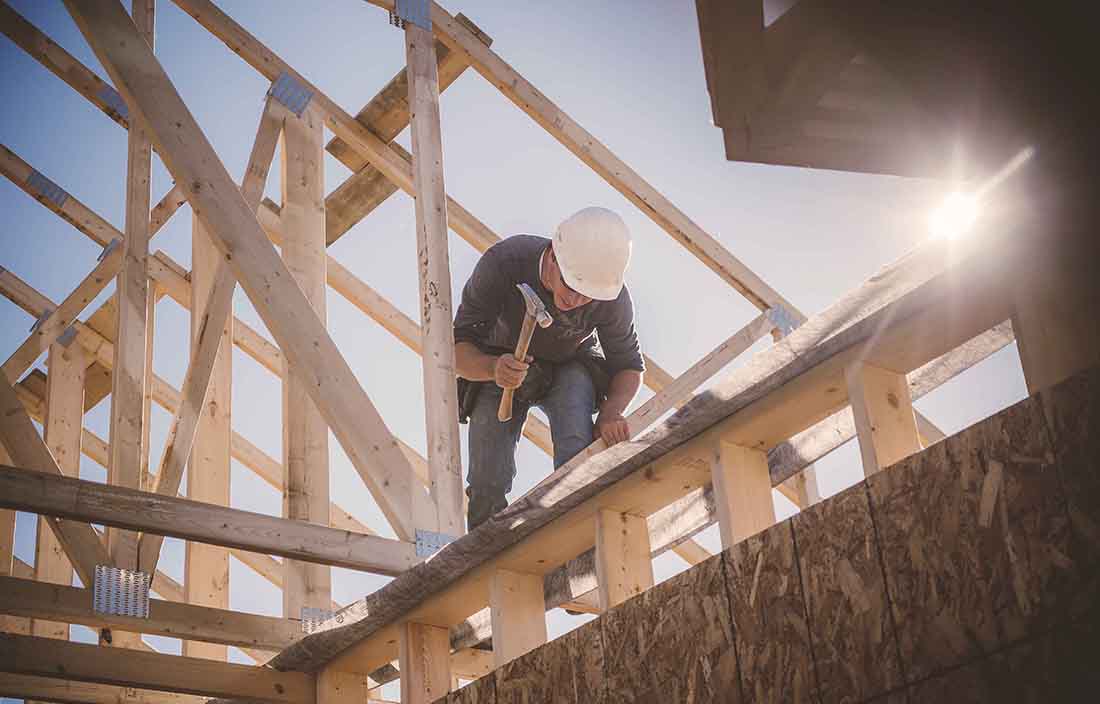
612	428
509	372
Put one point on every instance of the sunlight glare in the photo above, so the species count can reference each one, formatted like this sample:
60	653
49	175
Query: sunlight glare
954	217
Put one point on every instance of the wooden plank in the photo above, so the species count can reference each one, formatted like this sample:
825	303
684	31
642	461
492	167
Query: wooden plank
883	413
62	430
283	307
52	327
9	563
433	259
26	447
46	689
66	497
518	613
129	380
471	663
623	566
305	435
742	492
66	604
425	663
210	359
91	663
147	391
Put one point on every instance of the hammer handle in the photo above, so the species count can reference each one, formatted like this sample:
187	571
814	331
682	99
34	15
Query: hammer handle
504	413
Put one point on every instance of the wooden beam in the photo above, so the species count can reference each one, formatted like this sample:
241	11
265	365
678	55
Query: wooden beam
210	362
37	492
742	492
129	381
58	321
62	429
883	412
305	435
425	663
45	657
433	258
284	308
27	448
623	566
66	604
518	613
47	689
471	663
9	563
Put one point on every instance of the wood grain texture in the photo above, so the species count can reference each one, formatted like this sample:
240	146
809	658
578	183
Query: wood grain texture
851	631
568	670
985	561
1072	412
674	642
481	691
770	626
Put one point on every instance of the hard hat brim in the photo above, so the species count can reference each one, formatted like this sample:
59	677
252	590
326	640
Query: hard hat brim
606	292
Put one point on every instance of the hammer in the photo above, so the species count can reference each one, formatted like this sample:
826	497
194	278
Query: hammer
535	313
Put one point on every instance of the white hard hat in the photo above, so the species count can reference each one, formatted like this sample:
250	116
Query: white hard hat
592	247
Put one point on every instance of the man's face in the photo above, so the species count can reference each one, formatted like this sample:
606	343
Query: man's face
565	298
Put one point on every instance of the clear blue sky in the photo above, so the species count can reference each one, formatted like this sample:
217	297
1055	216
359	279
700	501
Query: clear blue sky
630	72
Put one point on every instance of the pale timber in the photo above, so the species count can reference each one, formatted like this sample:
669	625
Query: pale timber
65	604
305	435
300	334
623	565
518	612
433	264
129	378
883	413
742	492
131	509
44	657
425	658
62	431
46	689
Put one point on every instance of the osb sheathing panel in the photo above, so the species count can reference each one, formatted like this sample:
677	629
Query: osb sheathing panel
1073	418
569	670
771	632
480	691
976	541
673	643
851	632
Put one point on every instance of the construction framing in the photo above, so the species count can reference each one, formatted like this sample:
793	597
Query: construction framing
583	538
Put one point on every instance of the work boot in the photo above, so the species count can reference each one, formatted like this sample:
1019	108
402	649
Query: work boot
483	504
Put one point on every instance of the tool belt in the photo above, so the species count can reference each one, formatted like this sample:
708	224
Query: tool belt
535	386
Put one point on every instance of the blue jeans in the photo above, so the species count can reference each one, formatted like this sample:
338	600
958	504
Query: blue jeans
569	405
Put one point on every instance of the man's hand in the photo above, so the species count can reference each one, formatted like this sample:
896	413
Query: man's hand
612	428
509	372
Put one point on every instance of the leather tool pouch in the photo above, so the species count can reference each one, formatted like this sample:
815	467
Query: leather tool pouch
535	386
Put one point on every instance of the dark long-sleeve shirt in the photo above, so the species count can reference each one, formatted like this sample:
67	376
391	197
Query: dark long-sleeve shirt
492	308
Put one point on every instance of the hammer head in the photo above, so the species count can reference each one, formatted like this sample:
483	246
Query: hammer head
535	307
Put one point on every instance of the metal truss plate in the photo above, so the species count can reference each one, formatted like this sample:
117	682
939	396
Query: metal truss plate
292	94
47	189
415	12
114	101
782	319
313	618
41	319
429	542
66	338
121	592
111	246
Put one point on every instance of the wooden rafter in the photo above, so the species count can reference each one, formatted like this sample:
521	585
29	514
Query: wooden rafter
209	524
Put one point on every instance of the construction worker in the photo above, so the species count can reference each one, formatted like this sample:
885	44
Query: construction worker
587	361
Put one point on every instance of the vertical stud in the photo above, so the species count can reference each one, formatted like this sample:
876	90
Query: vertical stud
742	492
624	567
518	611
885	423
